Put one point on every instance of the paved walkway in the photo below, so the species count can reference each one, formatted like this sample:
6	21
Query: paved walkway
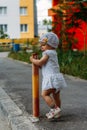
15	80
3	54
4	125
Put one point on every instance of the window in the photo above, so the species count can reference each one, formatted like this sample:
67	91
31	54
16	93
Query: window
23	27
23	10
3	10
3	27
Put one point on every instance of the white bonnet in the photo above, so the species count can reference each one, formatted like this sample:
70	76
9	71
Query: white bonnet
50	38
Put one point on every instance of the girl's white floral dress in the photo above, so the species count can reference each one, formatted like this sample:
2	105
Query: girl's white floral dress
52	78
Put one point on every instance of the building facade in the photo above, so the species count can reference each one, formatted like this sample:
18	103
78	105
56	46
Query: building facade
17	18
80	34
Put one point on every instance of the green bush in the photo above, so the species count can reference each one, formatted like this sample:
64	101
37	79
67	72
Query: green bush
73	63
4	49
22	56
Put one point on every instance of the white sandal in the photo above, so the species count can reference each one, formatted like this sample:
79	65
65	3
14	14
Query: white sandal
53	113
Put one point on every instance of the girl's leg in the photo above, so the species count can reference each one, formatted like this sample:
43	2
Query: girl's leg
51	103
57	99
48	99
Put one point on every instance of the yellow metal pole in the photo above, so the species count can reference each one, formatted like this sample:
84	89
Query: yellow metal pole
35	88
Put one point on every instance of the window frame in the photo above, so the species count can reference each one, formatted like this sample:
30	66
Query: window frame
3	10
23	28
4	27
23	11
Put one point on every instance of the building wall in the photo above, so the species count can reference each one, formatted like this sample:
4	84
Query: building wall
28	19
13	19
79	34
55	2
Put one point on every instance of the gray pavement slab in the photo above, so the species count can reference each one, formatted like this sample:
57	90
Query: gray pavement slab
3	54
15	80
4	124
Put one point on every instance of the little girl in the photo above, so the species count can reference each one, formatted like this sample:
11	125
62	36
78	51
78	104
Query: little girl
53	80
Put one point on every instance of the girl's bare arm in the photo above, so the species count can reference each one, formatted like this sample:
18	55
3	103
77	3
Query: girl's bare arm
39	62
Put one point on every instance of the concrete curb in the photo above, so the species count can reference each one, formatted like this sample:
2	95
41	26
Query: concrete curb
14	114
70	77
20	61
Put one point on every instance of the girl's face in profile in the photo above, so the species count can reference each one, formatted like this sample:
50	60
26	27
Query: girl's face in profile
43	46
